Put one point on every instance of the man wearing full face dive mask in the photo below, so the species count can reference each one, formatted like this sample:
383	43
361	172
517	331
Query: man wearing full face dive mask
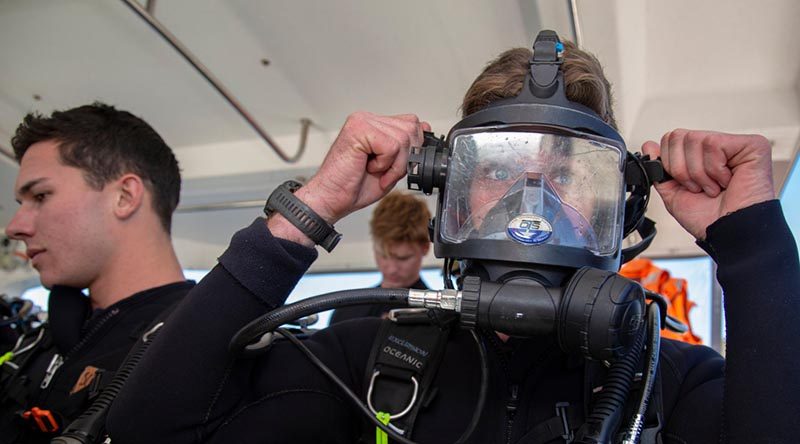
722	188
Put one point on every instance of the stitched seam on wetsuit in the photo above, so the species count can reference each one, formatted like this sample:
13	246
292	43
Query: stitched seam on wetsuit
674	438
274	395
218	392
672	367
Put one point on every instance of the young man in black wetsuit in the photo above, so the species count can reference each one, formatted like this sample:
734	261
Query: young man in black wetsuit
722	188
97	187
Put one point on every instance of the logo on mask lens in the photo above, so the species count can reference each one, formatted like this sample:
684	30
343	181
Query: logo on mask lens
529	229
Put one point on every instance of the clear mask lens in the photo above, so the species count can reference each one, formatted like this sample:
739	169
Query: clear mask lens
533	185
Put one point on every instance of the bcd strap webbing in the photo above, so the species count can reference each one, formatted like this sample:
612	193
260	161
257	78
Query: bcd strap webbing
567	420
403	363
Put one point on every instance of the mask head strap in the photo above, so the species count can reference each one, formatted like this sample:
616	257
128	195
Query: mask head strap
542	98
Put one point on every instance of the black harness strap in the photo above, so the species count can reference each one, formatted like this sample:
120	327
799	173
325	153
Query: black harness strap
405	357
568	419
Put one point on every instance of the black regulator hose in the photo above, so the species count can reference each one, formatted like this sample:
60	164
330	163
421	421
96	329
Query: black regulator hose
634	430
243	340
603	422
89	428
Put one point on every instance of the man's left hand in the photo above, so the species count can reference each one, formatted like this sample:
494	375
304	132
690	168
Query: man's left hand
714	174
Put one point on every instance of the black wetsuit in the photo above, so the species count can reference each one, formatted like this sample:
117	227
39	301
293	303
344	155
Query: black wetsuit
368	311
190	389
93	345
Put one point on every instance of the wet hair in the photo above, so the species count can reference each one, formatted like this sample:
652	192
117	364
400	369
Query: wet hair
503	78
106	143
400	217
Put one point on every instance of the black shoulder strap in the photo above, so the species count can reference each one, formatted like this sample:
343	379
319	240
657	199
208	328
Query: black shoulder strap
405	357
567	420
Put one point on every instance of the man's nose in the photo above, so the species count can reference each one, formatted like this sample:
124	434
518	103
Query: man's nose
20	226
391	264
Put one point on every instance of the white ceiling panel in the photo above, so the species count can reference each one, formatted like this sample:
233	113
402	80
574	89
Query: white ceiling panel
719	46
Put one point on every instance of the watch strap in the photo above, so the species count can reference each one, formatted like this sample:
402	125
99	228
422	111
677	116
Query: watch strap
283	201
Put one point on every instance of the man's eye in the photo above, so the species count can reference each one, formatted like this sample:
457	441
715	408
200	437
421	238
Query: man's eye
563	179
499	174
562	176
39	197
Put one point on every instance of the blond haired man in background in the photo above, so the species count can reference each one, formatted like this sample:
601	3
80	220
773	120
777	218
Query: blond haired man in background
399	229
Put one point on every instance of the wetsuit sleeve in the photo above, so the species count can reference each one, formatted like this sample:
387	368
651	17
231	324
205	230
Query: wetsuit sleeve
182	385
760	275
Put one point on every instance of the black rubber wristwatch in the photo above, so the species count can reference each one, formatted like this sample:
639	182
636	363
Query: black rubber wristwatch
283	201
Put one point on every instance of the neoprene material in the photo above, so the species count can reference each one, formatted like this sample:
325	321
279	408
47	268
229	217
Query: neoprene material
204	394
95	345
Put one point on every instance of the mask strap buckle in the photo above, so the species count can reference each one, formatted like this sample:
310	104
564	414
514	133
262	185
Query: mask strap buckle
545	64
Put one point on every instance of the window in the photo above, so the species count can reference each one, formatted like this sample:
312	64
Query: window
790	199
697	271
38	295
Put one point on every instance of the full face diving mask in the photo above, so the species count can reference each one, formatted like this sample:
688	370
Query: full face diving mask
536	194
536	179
541	194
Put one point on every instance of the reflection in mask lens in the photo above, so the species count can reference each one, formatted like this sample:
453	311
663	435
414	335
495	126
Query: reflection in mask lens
572	184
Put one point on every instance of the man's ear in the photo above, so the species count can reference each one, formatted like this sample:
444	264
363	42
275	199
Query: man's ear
425	248
129	195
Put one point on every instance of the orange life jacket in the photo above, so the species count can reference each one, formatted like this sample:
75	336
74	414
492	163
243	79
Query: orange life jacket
657	280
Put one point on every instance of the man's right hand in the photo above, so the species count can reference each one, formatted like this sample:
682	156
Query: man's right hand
367	159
